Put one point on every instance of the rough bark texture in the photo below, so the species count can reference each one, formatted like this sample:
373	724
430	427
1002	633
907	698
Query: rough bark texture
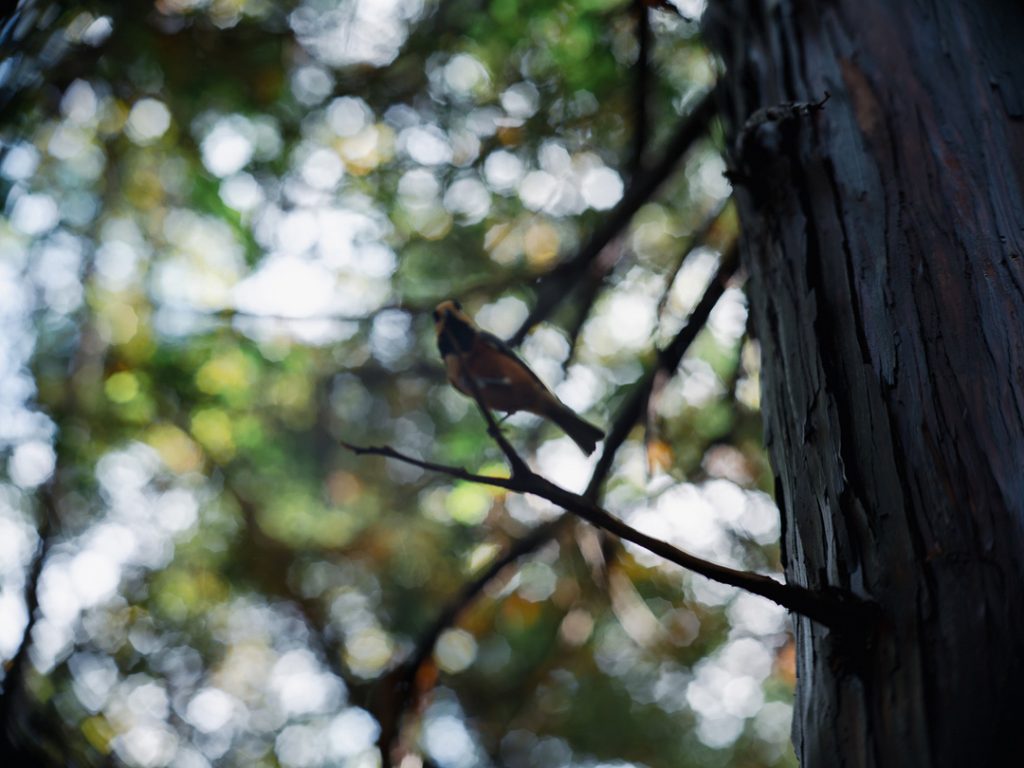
884	236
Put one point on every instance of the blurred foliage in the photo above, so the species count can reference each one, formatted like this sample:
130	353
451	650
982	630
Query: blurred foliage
224	225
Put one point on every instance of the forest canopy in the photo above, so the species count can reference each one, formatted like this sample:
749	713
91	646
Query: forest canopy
225	225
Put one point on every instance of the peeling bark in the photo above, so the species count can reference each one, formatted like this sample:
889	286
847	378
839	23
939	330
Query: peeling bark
884	236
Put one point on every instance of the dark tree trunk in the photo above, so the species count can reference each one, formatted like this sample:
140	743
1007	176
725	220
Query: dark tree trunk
884	235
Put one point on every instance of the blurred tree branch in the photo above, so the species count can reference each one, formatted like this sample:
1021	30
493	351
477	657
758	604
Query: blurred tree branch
597	272
401	684
553	287
830	610
836	610
404	678
667	362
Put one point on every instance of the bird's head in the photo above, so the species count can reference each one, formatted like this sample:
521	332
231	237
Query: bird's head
447	310
453	326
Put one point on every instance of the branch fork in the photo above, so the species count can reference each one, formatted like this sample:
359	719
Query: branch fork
848	615
819	607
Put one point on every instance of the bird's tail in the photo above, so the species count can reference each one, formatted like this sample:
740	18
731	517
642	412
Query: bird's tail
583	433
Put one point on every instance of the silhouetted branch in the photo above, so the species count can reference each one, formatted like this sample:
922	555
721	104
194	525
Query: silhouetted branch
457	472
552	288
825	610
668	360
623	423
404	679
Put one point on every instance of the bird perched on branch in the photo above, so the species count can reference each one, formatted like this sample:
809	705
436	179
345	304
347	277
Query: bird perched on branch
503	381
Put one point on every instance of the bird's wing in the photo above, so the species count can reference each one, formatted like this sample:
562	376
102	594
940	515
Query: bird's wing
505	349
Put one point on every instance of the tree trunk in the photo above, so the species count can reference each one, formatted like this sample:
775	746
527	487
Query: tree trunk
884	233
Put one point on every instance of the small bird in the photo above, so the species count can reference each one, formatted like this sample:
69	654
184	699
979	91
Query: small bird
504	382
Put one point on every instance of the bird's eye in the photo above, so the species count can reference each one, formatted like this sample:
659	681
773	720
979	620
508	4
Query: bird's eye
437	315
457	304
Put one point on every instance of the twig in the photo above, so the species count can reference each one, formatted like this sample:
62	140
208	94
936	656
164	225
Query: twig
827	610
668	360
516	462
404	678
552	287
623	423
457	472
830	610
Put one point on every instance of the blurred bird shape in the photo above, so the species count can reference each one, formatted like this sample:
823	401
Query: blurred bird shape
503	381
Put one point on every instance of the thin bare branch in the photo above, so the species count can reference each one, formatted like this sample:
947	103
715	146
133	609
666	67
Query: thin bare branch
445	469
552	288
827	610
831	610
405	677
668	360
516	462
621	426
